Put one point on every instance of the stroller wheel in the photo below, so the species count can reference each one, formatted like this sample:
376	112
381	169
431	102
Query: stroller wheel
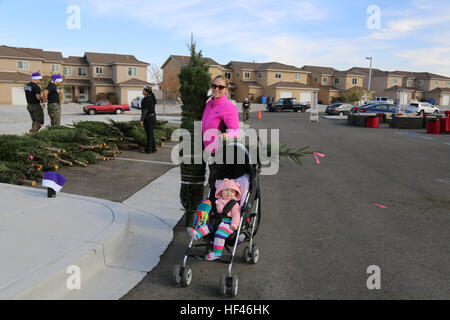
223	285
234	286
247	255
176	274
254	255
186	276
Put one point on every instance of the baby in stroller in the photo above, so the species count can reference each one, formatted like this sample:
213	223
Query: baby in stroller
228	195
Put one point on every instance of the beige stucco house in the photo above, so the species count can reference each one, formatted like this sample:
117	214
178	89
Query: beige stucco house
272	80
84	77
171	69
406	86
333	83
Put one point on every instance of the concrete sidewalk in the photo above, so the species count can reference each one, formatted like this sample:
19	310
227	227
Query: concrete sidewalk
113	244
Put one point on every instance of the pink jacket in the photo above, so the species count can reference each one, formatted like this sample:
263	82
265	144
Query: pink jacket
234	213
215	112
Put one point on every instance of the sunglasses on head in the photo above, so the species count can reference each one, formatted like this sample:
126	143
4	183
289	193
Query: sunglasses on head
220	87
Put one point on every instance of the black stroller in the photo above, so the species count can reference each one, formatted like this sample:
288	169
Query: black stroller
239	166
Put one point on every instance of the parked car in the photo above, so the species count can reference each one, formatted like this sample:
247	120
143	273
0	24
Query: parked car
381	99
339	108
356	109
420	108
104	106
378	108
136	102
287	104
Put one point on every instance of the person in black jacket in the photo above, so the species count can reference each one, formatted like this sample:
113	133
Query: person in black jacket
148	118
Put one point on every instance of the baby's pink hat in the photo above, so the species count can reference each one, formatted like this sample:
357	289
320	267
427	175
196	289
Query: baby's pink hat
229	184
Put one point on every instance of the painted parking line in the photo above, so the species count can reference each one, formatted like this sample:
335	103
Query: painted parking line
427	138
148	161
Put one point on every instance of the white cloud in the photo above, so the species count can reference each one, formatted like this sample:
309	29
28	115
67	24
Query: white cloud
435	59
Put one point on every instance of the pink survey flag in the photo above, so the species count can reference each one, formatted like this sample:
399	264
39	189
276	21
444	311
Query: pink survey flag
379	205
318	154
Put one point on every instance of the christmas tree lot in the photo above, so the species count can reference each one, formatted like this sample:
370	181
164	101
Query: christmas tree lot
24	159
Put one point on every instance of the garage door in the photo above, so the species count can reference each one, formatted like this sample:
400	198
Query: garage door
305	97
446	100
132	94
286	94
18	96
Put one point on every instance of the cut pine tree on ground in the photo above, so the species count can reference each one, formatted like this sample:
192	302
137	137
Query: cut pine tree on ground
24	159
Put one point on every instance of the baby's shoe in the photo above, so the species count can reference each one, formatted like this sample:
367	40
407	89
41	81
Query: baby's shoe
211	256
192	232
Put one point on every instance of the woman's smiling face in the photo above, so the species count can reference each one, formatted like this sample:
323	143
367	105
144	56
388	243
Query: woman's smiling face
218	88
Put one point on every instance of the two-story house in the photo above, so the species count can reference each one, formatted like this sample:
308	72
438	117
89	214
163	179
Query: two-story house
83	77
272	80
171	69
406	86
435	87
332	83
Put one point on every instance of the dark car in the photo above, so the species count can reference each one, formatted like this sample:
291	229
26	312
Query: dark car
378	108
287	104
340	108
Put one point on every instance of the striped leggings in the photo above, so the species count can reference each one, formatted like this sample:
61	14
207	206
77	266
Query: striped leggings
222	233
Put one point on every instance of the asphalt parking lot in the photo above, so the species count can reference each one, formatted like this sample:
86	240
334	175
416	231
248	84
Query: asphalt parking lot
321	227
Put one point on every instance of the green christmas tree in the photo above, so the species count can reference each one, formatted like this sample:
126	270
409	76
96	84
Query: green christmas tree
195	81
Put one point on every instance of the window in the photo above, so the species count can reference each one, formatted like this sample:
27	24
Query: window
259	75
448	83
436	82
237	74
82	72
354	81
98	70
132	72
324	79
410	82
277	75
315	79
67	71
336	80
55	67
394	80
297	76
228	75
23	65
419	82
247	75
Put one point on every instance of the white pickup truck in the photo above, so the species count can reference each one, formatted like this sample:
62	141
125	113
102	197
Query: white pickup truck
421	108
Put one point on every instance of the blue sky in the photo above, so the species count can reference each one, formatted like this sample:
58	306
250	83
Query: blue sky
411	34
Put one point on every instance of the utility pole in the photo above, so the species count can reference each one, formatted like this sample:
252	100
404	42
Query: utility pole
370	73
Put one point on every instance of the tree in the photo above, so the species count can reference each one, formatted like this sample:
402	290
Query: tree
155	74
195	81
354	95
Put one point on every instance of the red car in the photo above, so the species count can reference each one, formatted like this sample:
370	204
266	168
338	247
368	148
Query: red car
104	106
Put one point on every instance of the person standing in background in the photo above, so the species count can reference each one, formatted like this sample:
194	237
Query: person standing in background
51	97
33	96
148	118
246	109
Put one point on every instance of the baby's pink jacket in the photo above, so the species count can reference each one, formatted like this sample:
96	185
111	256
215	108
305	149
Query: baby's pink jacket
234	213
215	111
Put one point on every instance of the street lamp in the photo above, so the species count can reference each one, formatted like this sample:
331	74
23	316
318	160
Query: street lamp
370	73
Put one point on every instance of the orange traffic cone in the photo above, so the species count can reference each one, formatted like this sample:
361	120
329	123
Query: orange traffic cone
259	113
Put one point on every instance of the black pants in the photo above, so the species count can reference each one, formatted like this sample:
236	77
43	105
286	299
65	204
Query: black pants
149	125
